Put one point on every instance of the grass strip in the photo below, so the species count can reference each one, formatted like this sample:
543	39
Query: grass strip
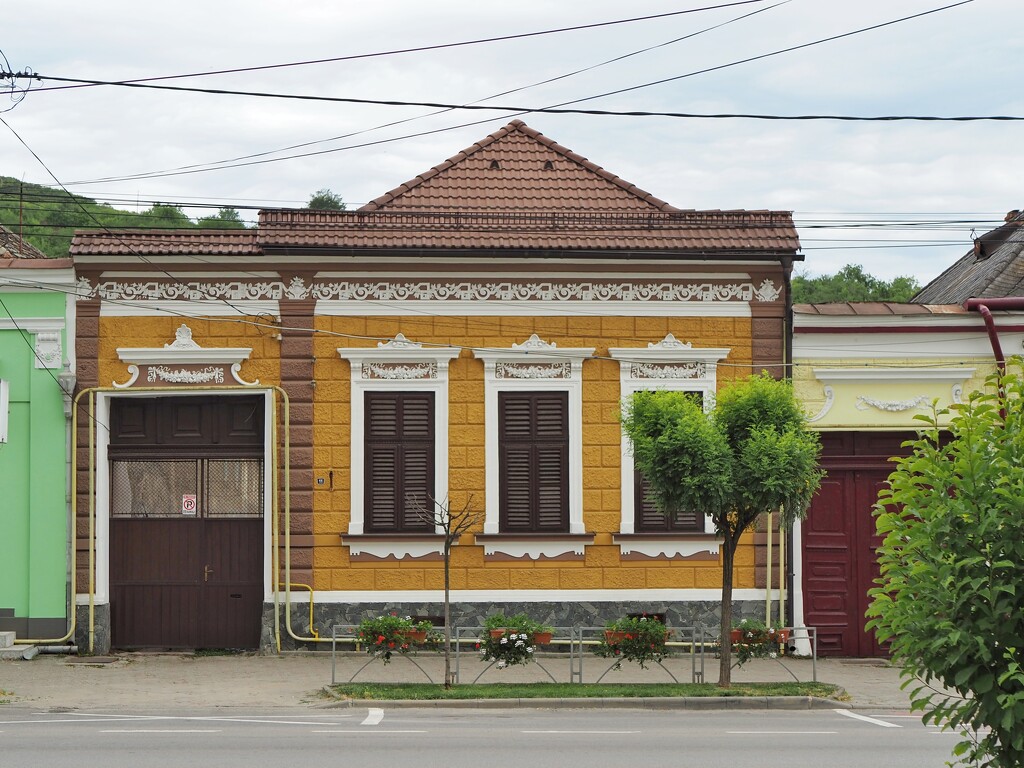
428	691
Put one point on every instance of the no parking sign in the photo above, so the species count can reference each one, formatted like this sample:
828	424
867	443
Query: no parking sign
188	503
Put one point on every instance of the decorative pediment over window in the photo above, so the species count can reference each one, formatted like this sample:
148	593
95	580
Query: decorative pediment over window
183	362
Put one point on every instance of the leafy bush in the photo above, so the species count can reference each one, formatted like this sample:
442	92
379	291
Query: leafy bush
640	639
510	640
386	635
752	639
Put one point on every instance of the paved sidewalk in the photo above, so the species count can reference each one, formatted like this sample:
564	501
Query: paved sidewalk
155	680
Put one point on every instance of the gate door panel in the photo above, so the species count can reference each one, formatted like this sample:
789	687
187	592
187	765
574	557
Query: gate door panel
186	523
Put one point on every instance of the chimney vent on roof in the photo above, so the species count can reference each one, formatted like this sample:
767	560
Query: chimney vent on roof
548	165
495	165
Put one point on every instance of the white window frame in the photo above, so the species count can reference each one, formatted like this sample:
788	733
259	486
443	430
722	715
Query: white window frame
398	365
533	366
674	366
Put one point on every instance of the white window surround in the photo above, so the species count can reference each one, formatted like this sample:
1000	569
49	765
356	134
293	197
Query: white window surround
398	365
183	351
676	366
534	366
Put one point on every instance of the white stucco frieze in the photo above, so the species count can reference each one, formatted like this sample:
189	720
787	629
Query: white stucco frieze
893	406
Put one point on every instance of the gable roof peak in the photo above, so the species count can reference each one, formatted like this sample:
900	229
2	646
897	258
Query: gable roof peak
517	168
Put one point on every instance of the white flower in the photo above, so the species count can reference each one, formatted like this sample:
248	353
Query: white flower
773	655
501	664
529	650
504	640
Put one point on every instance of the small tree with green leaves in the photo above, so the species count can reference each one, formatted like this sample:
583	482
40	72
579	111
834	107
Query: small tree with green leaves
950	597
749	455
452	525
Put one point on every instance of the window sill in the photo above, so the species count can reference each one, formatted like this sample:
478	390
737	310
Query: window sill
536	546
375	547
673	546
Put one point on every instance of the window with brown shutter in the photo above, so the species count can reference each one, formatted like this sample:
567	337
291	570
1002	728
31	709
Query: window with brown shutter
399	461
533	447
649	519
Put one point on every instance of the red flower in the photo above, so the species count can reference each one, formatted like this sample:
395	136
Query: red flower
380	639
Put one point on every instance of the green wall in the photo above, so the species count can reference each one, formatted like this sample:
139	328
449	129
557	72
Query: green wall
33	509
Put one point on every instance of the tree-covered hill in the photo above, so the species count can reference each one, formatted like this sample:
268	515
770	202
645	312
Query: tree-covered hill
48	217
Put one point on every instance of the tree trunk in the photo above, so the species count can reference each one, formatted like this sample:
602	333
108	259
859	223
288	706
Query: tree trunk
447	616
725	644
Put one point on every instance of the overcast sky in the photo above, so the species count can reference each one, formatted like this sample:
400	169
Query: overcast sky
930	183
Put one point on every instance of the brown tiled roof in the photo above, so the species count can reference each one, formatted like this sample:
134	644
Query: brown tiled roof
723	232
877	308
994	268
517	169
13	246
167	242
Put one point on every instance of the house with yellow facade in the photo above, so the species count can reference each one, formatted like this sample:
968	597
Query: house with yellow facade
865	372
263	415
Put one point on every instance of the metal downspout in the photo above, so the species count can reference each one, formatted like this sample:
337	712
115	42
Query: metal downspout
72	535
786	577
984	308
92	520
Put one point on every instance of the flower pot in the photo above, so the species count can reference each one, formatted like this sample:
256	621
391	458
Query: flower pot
611	636
498	633
735	636
541	638
414	635
782	635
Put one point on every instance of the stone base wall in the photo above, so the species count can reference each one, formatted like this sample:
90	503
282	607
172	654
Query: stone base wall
101	629
704	614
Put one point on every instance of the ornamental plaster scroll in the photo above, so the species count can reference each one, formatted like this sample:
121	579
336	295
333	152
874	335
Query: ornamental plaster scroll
399	342
533	371
892	406
48	352
173	363
830	400
429	290
667	548
510	291
397	548
957	393
183	376
668	371
520	549
670	342
397	371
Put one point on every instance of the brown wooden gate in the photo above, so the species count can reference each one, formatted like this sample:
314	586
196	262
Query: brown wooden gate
186	522
839	540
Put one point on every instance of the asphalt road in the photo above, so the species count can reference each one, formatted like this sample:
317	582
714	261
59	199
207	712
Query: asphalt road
459	738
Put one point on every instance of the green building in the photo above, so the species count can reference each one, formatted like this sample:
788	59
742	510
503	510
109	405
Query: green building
36	382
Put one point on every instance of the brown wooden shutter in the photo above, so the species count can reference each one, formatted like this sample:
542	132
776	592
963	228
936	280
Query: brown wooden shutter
533	437
399	459
648	518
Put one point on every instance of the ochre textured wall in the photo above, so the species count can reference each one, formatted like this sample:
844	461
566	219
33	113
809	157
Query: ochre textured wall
602	567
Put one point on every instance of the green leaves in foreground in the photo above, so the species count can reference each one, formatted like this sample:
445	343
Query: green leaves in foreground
427	691
950	599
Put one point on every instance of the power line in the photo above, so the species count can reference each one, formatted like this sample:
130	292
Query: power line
560	108
354	57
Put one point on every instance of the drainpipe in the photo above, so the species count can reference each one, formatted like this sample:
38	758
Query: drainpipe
786	539
984	308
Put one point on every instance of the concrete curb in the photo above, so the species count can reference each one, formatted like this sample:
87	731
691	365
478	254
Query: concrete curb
692	703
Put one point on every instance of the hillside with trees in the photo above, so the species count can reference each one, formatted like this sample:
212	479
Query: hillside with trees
852	283
48	217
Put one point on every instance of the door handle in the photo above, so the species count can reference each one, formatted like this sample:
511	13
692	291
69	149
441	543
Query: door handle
207	570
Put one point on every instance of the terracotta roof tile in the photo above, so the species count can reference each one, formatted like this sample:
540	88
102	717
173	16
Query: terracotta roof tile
165	242
517	168
877	308
721	231
12	246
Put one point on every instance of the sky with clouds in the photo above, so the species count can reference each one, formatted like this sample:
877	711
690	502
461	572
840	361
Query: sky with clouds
907	194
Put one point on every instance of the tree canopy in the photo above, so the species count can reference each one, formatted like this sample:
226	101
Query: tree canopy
852	283
950	597
225	218
325	200
749	455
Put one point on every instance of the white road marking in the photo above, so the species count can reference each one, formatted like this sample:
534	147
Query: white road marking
162	730
583	732
373	717
777	733
866	719
375	731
